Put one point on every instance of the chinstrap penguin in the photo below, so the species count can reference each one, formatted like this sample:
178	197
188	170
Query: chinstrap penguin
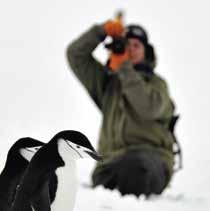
57	157
17	161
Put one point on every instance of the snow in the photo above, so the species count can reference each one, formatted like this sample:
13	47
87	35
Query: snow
40	96
101	199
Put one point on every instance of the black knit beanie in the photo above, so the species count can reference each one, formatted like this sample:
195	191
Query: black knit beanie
136	31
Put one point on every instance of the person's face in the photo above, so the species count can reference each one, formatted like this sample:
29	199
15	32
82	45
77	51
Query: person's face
136	50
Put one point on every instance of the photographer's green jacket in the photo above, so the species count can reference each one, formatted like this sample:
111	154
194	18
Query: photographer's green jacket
136	111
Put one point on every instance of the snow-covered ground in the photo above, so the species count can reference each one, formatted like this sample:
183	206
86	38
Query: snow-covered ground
40	96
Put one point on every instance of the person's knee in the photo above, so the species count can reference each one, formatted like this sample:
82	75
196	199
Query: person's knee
134	173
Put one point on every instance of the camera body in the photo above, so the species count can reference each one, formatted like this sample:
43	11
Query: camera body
118	45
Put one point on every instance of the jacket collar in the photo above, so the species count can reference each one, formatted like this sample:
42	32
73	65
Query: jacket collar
144	68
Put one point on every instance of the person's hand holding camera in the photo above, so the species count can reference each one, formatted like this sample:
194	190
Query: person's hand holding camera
118	54
113	28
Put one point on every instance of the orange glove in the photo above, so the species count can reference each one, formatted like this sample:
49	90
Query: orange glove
116	60
113	28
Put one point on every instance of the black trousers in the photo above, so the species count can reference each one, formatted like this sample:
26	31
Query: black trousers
134	173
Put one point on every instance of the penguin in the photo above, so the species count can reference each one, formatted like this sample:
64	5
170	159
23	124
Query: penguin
17	161
57	157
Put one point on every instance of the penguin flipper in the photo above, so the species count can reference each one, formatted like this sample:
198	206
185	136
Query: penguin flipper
41	202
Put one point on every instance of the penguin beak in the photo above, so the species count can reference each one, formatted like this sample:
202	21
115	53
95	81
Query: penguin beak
94	155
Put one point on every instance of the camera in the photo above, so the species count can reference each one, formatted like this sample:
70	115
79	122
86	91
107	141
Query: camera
117	45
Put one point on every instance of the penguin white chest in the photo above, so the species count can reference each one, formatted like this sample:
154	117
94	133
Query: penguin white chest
66	188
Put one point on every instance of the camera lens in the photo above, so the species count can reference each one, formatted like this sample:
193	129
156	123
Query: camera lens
117	45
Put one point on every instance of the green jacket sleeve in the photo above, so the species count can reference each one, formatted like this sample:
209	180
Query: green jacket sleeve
88	70
149	99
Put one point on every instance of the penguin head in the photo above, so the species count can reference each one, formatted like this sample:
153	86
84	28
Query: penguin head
75	145
17	155
25	148
29	152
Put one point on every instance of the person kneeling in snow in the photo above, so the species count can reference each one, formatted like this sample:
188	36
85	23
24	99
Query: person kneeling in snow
136	141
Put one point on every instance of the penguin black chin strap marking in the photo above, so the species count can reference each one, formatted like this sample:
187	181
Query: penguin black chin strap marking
73	149
29	150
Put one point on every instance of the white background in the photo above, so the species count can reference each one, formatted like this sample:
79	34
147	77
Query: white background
40	96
